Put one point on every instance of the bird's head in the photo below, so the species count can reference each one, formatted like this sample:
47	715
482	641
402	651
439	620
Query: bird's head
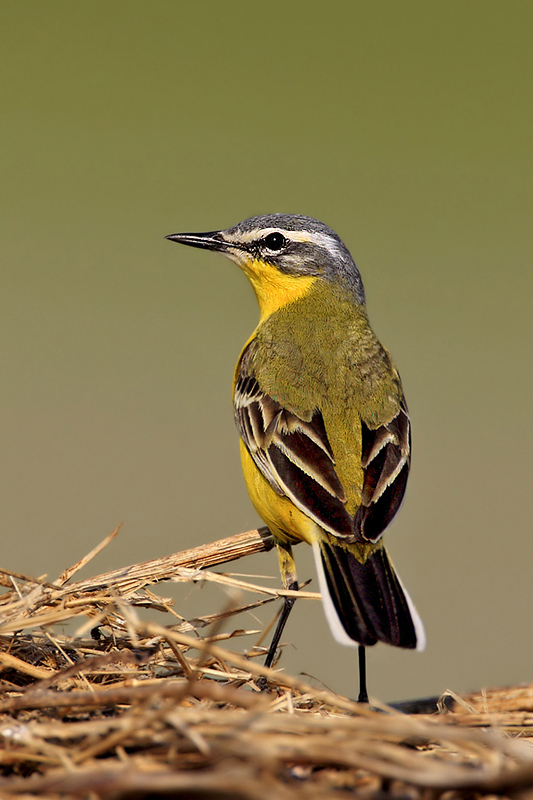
283	255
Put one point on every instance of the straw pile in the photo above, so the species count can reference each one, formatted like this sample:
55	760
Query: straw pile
125	708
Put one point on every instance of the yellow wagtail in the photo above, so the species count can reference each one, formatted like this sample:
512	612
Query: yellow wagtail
325	431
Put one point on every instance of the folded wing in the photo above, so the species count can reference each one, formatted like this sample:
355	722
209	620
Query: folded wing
295	457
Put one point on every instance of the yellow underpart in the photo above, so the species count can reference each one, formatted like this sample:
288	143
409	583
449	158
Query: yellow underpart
279	513
273	288
285	521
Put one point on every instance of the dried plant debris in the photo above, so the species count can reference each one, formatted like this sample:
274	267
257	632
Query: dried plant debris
127	708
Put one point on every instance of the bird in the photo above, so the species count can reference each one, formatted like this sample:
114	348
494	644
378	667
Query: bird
325	432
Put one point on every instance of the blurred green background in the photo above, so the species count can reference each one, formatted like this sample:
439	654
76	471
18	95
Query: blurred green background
407	127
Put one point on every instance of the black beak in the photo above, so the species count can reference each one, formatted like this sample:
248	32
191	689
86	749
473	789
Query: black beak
212	240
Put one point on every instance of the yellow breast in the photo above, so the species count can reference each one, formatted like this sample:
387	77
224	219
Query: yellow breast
273	288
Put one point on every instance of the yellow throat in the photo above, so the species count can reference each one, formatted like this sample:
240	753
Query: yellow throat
273	288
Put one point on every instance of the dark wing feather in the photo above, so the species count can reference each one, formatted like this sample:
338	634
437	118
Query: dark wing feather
294	455
385	459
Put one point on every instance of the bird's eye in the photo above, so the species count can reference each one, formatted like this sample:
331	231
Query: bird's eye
274	241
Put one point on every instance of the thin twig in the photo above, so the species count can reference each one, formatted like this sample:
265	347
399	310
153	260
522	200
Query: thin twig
67	574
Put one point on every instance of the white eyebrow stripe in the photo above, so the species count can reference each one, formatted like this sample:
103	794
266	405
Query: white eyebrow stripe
322	240
313	237
249	236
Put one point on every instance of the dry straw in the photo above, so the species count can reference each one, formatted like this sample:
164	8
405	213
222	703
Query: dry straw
131	709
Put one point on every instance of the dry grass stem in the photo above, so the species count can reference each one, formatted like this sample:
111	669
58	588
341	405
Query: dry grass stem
141	709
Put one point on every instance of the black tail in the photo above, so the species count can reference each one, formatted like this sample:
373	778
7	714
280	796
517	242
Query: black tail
366	603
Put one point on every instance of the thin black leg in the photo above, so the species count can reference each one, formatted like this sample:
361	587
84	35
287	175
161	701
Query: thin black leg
363	694
288	603
290	581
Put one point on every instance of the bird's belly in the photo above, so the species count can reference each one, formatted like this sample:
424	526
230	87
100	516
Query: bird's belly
285	521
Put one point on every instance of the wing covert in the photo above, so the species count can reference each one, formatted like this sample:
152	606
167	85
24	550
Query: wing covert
385	458
295	457
293	454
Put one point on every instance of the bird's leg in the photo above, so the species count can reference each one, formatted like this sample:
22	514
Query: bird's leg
290	581
363	694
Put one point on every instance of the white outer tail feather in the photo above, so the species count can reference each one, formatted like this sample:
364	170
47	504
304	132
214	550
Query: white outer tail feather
332	617
336	626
